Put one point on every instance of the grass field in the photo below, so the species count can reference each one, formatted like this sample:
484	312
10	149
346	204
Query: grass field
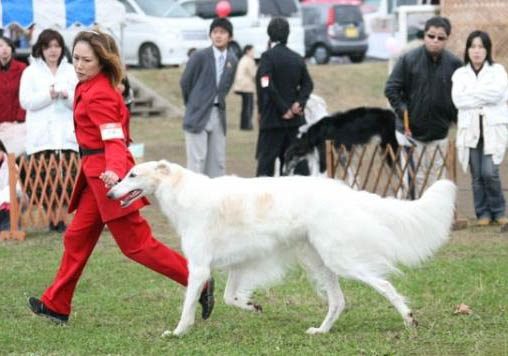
121	308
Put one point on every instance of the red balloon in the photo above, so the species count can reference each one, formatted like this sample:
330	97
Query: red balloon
223	8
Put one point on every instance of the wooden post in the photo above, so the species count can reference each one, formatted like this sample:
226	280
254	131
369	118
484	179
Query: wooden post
330	169
451	166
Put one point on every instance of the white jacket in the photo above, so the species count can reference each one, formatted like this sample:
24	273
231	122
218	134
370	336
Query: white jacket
485	94
49	122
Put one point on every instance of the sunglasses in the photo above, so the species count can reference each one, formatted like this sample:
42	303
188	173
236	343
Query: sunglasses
439	38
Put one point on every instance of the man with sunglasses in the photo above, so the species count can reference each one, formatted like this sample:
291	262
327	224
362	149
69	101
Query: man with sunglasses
420	84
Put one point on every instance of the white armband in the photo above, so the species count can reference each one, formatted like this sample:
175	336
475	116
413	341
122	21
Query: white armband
111	131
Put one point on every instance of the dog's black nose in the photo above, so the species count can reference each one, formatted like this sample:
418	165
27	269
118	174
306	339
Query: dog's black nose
109	195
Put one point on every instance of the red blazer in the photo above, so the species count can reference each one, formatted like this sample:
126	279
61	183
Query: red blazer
96	102
10	110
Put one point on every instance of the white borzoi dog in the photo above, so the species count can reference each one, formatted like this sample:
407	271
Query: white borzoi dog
257	227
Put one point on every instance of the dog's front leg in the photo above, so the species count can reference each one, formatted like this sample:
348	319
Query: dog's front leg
197	278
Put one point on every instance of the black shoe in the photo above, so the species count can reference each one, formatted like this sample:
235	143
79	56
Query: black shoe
60	227
206	299
39	308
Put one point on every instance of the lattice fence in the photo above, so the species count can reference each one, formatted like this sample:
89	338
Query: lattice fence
486	15
387	172
46	186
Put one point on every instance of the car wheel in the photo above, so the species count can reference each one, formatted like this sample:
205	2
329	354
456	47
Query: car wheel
357	58
235	48
149	56
321	54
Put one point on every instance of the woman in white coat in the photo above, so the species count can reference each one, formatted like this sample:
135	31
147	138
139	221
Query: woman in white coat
47	94
479	92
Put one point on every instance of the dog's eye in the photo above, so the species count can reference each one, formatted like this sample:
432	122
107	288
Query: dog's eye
132	175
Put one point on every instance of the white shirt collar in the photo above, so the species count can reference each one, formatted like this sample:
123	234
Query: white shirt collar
217	53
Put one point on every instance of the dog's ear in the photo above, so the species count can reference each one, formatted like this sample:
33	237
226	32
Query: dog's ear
163	167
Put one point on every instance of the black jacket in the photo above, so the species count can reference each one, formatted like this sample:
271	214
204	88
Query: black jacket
424	88
281	79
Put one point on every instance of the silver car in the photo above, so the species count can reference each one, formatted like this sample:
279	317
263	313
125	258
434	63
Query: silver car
334	30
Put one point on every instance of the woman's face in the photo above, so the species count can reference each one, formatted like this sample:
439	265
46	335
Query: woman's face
52	53
5	51
477	52
86	63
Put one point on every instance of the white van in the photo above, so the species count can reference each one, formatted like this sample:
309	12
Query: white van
250	20
160	33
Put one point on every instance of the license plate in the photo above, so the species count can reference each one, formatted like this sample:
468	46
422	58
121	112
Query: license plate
351	32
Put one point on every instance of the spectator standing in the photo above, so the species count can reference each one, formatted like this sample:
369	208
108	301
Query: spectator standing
100	117
283	87
421	84
480	93
244	86
47	94
205	83
10	77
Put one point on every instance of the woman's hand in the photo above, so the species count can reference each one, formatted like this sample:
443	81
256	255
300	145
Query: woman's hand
52	92
109	178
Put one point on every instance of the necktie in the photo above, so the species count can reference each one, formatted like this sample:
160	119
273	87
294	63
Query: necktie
220	67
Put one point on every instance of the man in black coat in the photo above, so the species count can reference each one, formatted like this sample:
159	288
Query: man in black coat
283	87
421	84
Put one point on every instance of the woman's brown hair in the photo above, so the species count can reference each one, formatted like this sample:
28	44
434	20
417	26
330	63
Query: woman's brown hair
108	57
43	41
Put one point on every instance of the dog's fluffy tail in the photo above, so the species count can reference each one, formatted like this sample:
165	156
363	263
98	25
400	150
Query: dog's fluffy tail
425	224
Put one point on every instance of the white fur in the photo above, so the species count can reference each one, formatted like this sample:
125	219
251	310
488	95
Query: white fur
315	110
256	228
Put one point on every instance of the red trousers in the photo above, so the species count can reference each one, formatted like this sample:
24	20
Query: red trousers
133	235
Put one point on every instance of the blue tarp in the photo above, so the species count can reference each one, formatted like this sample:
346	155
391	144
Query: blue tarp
60	13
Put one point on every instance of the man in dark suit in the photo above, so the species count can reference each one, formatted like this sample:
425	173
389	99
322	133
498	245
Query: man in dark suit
205	83
283	87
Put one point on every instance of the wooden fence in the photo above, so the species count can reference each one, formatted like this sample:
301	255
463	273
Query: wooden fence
46	184
388	172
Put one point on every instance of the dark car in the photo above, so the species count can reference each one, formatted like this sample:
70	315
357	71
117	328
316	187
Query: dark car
334	30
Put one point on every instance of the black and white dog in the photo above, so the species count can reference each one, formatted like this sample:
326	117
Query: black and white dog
354	127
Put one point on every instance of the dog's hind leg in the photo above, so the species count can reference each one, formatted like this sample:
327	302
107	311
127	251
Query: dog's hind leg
326	279
244	278
197	277
237	295
387	290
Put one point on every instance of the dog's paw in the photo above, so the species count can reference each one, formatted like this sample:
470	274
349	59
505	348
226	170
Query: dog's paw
255	307
313	331
167	333
180	330
410	321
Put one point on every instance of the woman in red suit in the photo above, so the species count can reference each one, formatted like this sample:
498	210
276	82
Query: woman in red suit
100	120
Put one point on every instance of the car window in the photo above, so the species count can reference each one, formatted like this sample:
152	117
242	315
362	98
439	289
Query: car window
345	14
310	16
128	7
285	8
398	3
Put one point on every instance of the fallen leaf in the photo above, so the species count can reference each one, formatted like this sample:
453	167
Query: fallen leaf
462	309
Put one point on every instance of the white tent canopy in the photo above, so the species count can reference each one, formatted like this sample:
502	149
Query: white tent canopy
61	13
